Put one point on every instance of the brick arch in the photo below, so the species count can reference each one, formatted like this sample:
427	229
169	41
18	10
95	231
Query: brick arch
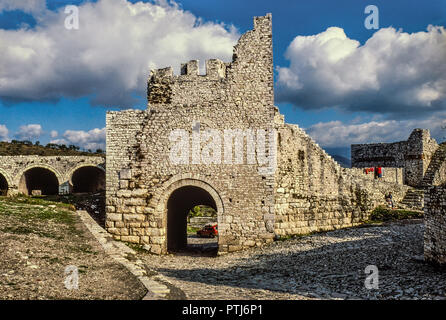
70	173
163	193
59	176
186	180
7	177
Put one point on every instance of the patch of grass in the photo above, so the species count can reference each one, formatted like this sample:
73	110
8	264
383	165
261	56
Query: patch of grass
381	214
35	208
27	230
39	216
83	248
39	200
192	229
137	247
52	260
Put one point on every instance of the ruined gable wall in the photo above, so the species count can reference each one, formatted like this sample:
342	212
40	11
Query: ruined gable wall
236	95
414	155
314	193
430	145
390	174
435	225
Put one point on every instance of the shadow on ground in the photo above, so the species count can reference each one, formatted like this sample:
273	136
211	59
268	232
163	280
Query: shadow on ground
312	266
197	246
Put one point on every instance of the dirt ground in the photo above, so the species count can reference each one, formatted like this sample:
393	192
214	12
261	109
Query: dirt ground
39	240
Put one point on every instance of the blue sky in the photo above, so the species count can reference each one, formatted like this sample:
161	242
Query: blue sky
71	100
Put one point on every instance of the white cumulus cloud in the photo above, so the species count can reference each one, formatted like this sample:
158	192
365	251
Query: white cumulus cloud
339	134
54	133
109	57
28	6
3	133
29	132
393	72
93	139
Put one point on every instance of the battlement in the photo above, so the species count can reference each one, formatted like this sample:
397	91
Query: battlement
254	45
215	68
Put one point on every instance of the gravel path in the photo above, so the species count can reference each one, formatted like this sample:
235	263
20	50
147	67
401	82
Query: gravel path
328	265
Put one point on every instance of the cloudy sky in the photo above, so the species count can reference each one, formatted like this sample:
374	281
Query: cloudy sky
340	81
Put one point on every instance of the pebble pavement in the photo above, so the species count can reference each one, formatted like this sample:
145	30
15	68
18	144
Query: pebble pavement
328	265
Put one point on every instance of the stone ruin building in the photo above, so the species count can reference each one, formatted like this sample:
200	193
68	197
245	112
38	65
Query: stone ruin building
423	166
301	191
415	156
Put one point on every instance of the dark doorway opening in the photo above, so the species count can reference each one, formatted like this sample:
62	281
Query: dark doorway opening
88	179
180	203
3	186
39	179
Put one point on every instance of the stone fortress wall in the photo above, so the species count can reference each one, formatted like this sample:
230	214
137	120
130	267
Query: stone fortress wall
314	193
435	225
307	192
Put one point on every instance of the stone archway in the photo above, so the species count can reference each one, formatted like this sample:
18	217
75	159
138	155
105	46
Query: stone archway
87	178
39	178
180	202
4	186
196	191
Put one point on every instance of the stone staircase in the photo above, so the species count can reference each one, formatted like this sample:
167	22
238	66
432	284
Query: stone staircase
414	199
437	160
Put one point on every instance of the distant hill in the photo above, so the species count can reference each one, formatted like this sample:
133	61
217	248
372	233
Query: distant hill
16	148
343	161
341	155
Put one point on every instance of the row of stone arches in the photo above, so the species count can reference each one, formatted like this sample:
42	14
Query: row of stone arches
86	178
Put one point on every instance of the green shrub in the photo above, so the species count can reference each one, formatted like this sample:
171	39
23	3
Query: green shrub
386	214
202	211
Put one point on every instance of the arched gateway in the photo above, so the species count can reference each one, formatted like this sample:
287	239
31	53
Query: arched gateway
184	195
41	179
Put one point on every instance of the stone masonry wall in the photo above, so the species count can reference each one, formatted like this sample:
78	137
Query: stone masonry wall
435	225
414	155
140	175
389	174
314	193
308	191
